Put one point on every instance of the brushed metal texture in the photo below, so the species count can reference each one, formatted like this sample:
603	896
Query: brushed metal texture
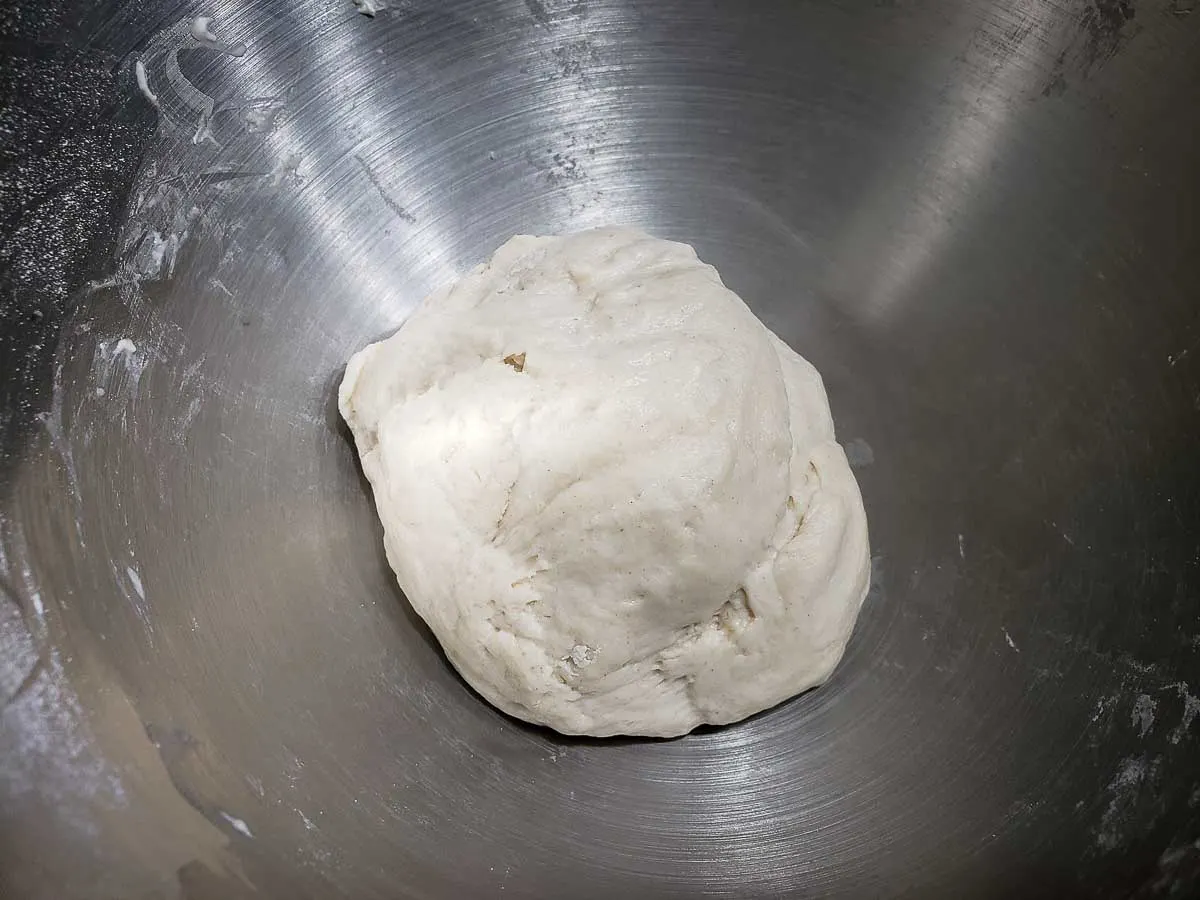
975	218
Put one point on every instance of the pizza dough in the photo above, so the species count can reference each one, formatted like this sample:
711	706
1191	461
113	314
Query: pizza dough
613	494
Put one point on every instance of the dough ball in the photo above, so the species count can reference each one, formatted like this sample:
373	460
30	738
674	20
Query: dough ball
611	491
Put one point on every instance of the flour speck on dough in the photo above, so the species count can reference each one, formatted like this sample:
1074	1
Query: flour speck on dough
612	493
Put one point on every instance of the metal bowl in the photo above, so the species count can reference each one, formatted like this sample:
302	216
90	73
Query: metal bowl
977	219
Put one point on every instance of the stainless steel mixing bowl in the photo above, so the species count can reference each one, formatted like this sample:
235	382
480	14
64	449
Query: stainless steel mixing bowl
977	219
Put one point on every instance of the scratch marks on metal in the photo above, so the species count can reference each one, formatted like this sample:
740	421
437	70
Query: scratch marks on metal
1095	32
548	13
538	11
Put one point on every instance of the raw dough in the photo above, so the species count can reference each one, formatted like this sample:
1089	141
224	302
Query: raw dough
612	493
